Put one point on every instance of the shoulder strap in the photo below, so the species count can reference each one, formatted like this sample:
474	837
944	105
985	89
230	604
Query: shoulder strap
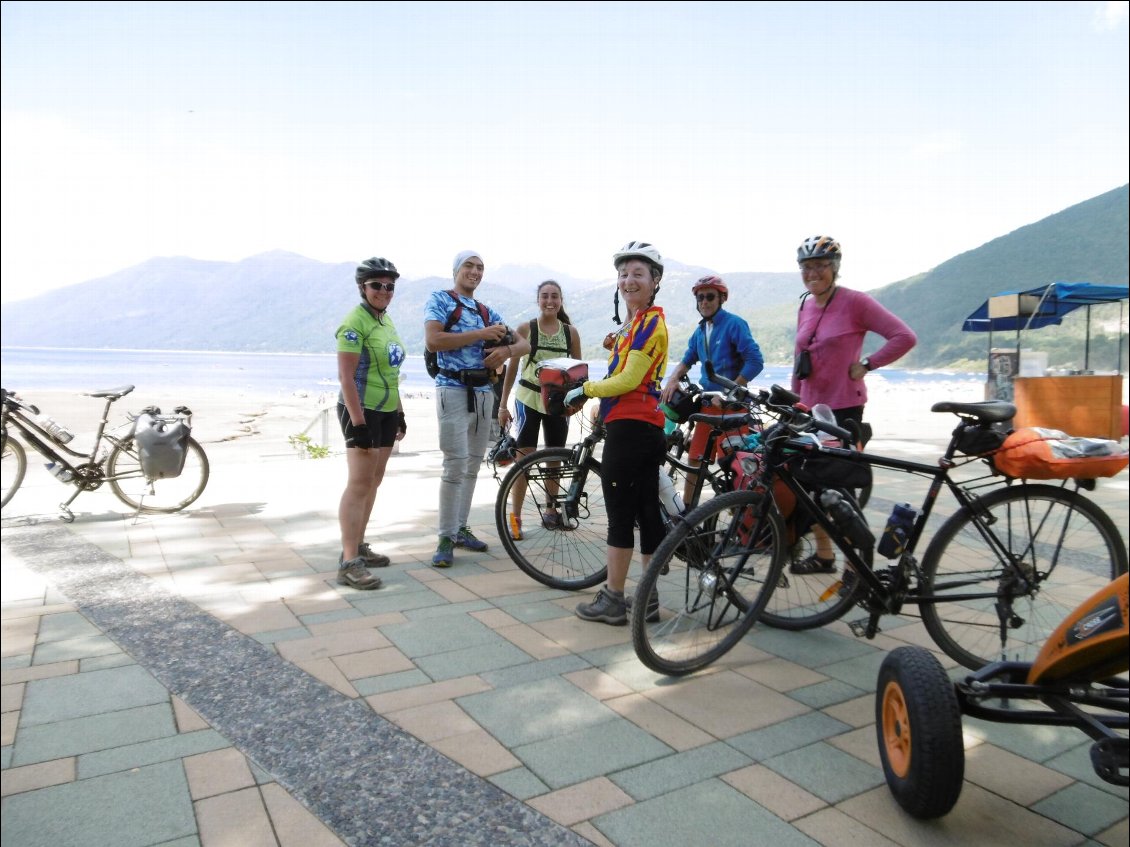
533	338
453	318
455	313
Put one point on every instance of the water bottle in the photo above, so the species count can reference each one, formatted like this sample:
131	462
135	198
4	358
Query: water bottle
56	430
60	471
848	520
898	529
668	496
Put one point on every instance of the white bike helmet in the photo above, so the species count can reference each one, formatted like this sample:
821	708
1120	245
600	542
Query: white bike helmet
819	247
636	250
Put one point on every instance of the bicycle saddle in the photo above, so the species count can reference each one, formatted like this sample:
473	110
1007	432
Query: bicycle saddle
987	411
113	393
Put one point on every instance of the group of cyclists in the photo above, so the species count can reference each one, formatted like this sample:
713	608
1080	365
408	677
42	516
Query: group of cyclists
472	342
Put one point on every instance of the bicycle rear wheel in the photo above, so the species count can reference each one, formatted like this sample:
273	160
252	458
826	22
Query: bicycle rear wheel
807	601
12	468
571	552
1051	549
130	485
712	575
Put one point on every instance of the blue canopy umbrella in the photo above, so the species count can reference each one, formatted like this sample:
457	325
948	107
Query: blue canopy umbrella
1045	305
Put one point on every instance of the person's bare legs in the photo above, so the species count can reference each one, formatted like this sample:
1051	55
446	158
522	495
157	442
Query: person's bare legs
366	469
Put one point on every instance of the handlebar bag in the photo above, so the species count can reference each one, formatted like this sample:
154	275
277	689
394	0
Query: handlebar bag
162	445
557	377
1032	452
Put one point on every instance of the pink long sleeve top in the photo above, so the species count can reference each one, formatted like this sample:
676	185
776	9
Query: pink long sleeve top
838	343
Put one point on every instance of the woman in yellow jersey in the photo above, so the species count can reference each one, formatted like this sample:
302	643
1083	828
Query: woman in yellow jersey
635	444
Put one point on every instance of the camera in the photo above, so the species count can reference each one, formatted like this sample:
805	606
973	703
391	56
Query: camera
505	341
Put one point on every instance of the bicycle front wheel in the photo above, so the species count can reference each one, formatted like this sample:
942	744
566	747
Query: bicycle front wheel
132	487
711	575
12	468
998	579
563	519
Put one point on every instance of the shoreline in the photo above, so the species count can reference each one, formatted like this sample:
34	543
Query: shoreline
265	420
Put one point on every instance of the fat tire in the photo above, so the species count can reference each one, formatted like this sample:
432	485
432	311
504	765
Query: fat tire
918	728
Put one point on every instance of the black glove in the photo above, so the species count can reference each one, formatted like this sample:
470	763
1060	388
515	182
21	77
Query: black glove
358	435
401	424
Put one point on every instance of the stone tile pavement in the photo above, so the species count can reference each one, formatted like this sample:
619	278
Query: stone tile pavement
200	679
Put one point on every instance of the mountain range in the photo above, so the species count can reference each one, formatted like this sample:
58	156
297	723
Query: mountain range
282	302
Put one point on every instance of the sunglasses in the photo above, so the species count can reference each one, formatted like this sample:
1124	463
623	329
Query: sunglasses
709	297
378	286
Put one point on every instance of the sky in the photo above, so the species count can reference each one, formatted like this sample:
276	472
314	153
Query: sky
548	133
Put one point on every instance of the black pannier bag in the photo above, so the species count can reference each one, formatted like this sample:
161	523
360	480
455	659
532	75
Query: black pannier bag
162	445
821	470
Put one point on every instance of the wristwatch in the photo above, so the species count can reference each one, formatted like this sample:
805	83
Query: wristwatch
866	363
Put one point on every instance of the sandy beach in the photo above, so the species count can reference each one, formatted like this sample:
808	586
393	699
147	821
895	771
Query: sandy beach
262	424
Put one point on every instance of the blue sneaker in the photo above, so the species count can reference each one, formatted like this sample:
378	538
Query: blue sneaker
445	553
466	539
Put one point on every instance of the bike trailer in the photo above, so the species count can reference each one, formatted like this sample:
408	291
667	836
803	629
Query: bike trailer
1036	453
557	378
162	445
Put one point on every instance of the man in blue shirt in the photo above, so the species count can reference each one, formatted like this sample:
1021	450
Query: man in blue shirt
469	352
723	339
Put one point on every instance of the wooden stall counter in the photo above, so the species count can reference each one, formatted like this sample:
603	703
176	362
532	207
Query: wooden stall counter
1090	406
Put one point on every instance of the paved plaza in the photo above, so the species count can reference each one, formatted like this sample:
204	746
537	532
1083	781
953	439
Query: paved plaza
200	679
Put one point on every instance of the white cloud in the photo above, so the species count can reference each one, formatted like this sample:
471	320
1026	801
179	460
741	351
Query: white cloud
1111	15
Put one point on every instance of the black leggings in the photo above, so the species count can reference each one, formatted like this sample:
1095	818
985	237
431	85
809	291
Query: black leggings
633	453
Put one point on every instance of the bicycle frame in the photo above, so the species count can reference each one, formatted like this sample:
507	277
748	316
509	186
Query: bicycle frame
37	438
888	596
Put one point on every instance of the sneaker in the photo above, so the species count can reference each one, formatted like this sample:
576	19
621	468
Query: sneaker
652	606
605	608
813	564
445	553
372	558
354	574
515	524
466	539
551	520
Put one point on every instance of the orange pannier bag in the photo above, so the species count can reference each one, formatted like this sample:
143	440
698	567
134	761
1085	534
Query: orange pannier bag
1033	452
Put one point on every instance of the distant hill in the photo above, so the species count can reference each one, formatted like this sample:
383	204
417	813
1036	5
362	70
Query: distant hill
280	301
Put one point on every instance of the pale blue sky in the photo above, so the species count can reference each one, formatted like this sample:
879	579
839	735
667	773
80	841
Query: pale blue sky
549	133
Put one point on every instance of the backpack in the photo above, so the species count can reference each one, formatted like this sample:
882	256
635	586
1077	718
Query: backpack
431	357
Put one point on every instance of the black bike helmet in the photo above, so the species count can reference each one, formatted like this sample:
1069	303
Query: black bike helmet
376	267
503	453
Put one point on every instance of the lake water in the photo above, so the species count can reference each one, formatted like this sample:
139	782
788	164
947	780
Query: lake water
47	369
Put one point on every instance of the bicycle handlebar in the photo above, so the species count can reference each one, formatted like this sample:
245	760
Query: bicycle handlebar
9	398
781	398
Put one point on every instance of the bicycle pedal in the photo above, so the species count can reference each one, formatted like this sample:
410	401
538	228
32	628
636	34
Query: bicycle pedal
864	628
